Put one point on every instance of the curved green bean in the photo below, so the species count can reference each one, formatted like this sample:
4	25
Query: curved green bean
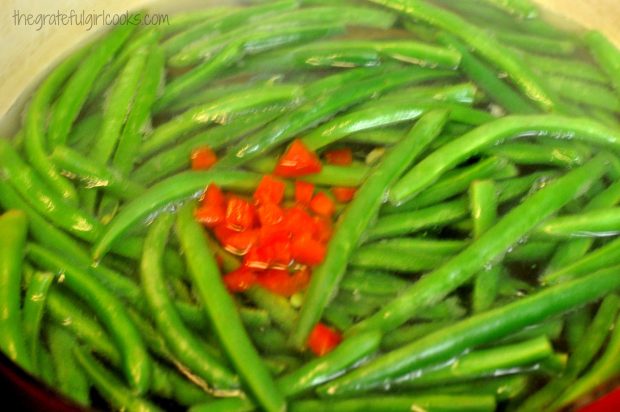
165	193
72	381
433	166
76	90
597	223
606	54
222	312
14	228
33	310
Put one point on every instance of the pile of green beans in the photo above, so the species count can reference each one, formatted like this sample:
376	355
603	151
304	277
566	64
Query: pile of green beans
471	271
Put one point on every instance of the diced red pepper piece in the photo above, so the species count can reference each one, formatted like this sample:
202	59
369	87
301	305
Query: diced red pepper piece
203	158
257	258
276	253
240	242
278	281
269	214
344	194
212	208
297	221
221	233
322	205
340	157
298	160
240	280
323	339
307	250
303	192
322	229
240	214
269	190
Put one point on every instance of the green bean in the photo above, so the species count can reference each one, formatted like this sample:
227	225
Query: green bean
136	362
95	174
330	175
381	114
457	182
486	46
535	43
76	90
222	313
523	153
72	382
272	28
483	205
188	20
510	189
585	93
380	257
14	229
520	8
384	136
278	307
476	330
501	387
23	179
409	333
552	329
532	251
432	167
180	340
117	105
169	191
216	112
178	157
602	257
32	312
600	372
130	139
481	363
606	55
228	20
229	54
358	216
84	132
492	244
283	129
369	282
398	224
597	223
64	312
109	385
35	125
573	250
48	374
584	353
338	317
577	69
143	39
431	403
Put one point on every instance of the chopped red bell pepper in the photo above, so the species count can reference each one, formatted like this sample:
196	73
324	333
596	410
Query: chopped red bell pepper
297	221
298	160
240	214
269	214
344	194
323	339
240	280
269	190
307	250
321	229
303	192
301	279
212	208
203	158
322	205
340	157
240	243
